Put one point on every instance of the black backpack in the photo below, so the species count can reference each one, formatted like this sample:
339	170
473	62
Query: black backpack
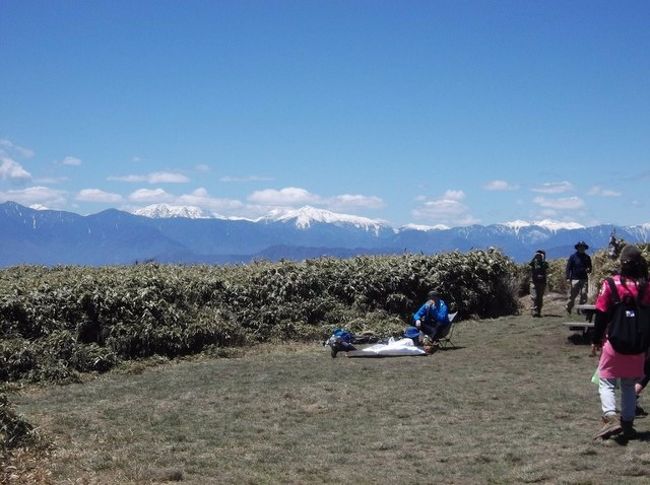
629	328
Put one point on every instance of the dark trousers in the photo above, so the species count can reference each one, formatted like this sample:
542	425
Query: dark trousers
537	296
432	329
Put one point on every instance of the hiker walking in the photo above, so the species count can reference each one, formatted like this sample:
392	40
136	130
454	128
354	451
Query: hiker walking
538	270
622	357
578	268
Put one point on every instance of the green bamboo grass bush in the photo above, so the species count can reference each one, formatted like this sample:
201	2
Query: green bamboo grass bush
555	282
604	266
14	430
59	322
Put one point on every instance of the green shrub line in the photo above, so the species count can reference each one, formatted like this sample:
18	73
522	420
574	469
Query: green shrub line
59	322
603	266
15	431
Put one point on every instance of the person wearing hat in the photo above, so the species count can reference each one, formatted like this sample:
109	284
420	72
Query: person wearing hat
432	316
616	369
578	268
538	269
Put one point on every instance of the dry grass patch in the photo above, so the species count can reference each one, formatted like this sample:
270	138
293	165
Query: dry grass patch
514	404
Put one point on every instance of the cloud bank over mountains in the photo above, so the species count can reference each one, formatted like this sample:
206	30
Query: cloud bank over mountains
59	185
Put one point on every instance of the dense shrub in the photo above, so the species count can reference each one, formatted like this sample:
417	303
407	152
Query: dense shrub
603	266
14	430
555	282
58	322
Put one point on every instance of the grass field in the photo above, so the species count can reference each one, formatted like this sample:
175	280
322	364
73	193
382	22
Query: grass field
513	404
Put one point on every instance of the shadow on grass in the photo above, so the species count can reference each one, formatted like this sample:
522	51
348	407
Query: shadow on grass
643	436
447	349
579	339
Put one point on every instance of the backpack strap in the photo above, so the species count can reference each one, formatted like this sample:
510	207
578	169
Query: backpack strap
612	286
641	289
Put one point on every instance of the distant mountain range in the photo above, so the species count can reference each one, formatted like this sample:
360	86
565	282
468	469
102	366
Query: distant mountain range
178	234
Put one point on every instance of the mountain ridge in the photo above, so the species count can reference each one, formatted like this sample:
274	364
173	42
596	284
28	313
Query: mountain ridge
112	236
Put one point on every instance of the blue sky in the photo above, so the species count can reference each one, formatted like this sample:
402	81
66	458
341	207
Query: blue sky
436	112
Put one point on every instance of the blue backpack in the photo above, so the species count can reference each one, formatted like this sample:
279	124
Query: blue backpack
342	335
340	340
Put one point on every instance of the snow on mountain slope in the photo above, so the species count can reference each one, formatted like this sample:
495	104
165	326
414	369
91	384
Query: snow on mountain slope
547	224
165	211
306	216
557	225
423	228
641	231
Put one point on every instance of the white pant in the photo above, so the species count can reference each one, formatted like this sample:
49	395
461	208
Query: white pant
606	389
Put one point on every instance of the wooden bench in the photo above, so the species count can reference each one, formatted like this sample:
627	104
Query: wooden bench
587	310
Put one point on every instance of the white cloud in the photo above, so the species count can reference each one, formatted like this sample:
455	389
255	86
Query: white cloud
153	178
597	190
289	196
352	201
202	199
564	203
454	195
167	178
129	178
7	146
202	167
150	196
500	186
554	187
73	161
35	195
447	209
9	169
97	195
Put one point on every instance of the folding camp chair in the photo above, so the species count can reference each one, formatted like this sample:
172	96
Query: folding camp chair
444	339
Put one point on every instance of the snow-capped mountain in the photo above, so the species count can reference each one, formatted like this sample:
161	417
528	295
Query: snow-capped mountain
545	223
180	235
164	211
422	227
304	217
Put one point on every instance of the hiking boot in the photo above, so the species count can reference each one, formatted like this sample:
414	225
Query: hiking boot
629	433
611	426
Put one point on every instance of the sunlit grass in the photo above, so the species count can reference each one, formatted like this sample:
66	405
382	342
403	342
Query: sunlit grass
514	404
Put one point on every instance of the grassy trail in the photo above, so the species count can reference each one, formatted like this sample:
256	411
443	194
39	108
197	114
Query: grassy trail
514	404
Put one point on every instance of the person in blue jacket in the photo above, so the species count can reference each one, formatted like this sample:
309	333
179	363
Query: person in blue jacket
432	317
